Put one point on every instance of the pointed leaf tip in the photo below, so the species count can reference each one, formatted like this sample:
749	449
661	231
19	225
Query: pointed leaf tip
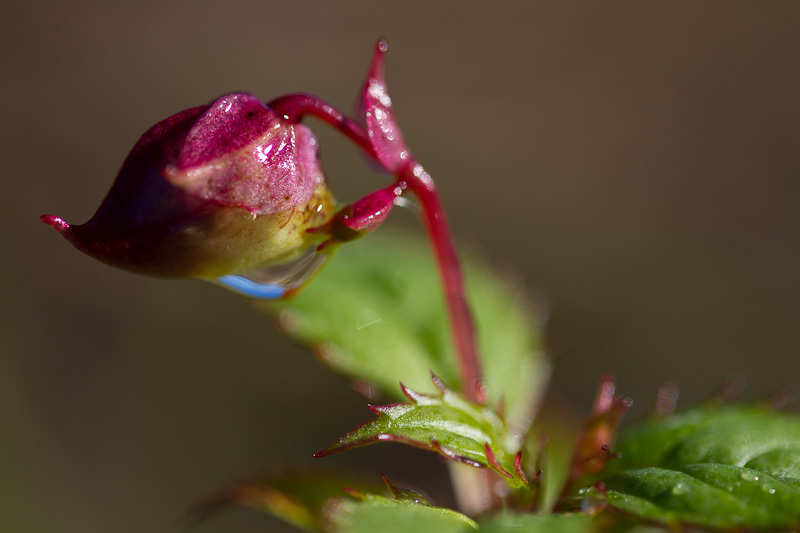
406	495
382	410
518	470
446	423
438	383
412	395
492	460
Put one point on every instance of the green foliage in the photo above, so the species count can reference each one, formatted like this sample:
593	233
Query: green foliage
532	523
376	513
722	468
336	502
556	429
376	316
298	497
445	422
744	435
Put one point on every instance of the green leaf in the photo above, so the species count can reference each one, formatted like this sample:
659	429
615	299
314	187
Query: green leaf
299	497
376	316
541	523
404	494
376	513
722	468
447	423
556	430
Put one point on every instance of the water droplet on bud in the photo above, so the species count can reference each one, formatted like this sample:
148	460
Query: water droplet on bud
276	281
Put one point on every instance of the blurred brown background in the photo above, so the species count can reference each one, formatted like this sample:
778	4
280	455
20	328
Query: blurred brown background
636	162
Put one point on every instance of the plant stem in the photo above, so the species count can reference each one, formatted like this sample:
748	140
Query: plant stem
414	178
473	488
461	323
293	106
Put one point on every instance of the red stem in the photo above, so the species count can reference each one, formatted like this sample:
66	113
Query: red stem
462	326
415	178
294	106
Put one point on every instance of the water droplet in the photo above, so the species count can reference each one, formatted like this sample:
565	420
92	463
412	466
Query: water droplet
273	282
749	476
679	489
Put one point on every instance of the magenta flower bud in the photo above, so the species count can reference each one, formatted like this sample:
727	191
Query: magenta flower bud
213	190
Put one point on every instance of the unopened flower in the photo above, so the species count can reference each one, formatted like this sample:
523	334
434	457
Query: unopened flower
232	192
224	191
213	190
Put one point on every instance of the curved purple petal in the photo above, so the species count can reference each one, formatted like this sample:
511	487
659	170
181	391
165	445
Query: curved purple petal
239	153
384	133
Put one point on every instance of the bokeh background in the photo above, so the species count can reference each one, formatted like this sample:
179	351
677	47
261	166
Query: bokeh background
635	162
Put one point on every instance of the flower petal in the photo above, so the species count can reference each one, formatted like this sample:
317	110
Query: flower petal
384	133
239	153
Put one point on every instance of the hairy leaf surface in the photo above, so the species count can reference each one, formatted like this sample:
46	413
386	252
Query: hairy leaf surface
376	513
722	468
376	316
537	523
445	422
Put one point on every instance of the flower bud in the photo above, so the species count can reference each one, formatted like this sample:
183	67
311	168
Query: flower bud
213	190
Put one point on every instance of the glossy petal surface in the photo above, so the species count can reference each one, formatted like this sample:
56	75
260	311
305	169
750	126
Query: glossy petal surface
239	153
384	132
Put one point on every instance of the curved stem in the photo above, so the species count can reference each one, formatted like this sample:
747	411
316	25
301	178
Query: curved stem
414	178
294	106
462	325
